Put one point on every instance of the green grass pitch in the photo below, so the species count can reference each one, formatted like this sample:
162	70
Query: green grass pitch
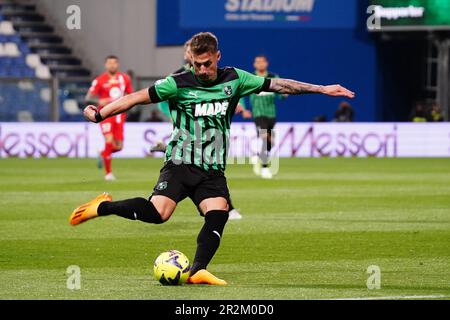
311	233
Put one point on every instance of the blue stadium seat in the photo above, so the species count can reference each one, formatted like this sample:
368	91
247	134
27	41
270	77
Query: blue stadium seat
12	96
15	72
14	38
23	47
30	73
19	100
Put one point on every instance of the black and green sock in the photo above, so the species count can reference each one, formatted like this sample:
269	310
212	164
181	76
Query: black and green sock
132	209
208	240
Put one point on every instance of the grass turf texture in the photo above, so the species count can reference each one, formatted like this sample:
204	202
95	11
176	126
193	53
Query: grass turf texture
310	233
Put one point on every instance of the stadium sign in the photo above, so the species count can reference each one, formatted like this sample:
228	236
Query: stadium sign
83	140
267	14
398	13
268	10
286	6
409	15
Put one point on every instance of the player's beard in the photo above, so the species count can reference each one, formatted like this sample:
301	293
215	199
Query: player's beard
204	77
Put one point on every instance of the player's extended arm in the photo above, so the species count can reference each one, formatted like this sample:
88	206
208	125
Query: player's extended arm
285	86
121	105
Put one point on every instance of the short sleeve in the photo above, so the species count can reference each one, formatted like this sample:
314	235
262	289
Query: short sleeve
250	83
163	90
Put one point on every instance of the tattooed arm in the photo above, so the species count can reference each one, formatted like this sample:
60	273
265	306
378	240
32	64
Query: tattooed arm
285	86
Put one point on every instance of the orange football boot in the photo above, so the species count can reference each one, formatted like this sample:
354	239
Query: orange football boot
205	277
88	210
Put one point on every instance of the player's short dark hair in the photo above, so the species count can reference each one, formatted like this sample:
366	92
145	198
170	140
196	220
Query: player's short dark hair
112	57
187	44
262	56
345	104
204	42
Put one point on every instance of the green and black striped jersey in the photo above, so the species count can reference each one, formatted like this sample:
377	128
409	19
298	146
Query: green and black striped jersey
263	103
202	113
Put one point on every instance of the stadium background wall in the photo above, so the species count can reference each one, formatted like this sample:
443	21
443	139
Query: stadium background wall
345	55
379	71
114	27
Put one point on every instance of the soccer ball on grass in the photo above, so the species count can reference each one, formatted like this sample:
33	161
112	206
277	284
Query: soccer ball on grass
171	268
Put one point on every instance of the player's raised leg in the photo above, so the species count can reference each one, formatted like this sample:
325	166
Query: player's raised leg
208	241
157	210
88	210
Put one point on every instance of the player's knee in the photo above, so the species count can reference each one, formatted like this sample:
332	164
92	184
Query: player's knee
165	215
225	207
209	205
164	212
164	206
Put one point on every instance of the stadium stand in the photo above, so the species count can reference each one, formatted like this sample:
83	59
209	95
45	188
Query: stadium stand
31	52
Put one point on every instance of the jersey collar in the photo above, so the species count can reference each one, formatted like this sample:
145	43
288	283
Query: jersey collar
265	75
207	83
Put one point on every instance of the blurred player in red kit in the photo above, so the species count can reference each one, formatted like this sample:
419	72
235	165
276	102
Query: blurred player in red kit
108	87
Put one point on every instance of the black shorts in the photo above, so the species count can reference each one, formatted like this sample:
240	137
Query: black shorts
178	182
265	123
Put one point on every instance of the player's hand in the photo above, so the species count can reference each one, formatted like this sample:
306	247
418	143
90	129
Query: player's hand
338	91
239	109
89	113
247	114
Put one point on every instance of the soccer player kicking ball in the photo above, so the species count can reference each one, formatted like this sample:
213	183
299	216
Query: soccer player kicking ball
109	87
160	146
205	100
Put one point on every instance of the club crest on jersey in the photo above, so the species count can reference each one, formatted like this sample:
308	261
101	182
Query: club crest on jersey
228	90
162	186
